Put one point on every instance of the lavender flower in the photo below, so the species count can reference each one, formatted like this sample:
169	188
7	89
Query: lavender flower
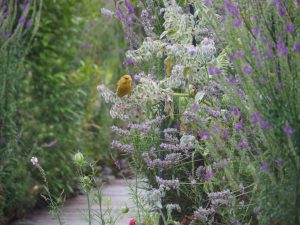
282	11
289	27
279	161
264	124
204	135
256	31
107	94
237	22
239	54
122	147
243	144
247	69
220	198
234	11
120	131
236	111
208	175
214	71
202	214
107	12
288	130
255	117
129	7
168	184
281	48
239	125
296	47
264	166
195	107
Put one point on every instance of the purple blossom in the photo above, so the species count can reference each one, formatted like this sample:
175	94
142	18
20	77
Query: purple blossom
243	144
255	117
28	23
264	124
239	125
129	7
276	3
288	130
203	134
296	47
22	20
289	27
247	69
239	54
237	22
225	133
282	11
174	184
195	107
236	111
234	11
122	147
279	161
281	48
208	175
256	31
128	62
264	166
214	71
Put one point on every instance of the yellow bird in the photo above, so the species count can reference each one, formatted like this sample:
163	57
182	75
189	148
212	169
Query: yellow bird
124	85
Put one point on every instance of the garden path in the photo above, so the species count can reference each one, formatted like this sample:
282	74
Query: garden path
75	209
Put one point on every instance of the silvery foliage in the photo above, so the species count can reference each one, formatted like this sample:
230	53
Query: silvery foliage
188	62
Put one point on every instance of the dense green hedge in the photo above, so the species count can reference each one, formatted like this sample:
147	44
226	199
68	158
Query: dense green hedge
49	108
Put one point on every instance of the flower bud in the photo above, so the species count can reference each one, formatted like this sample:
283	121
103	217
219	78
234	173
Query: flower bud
124	210
78	159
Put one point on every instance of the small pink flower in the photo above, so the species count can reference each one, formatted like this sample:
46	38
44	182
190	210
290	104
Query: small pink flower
132	222
34	160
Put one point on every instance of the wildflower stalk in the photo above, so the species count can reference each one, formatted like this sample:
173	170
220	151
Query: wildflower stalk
55	208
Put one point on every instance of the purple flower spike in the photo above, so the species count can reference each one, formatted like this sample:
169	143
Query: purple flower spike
264	124
247	69
129	7
289	27
288	130
195	107
237	22
239	125
279	162
296	47
255	117
256	31
236	111
214	71
281	48
239	54
29	23
208	175
243	144
204	135
234	11
282	11
264	166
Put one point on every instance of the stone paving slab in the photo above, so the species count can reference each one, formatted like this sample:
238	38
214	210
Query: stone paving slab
75	209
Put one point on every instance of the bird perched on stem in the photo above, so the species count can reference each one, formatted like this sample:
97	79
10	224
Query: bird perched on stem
124	85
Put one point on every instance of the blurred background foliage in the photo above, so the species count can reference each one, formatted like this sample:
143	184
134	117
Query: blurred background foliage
49	105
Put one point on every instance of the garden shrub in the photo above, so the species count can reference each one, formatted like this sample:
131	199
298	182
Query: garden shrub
212	121
17	27
48	100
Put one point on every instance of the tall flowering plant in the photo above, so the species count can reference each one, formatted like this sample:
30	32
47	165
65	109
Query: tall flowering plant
208	125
